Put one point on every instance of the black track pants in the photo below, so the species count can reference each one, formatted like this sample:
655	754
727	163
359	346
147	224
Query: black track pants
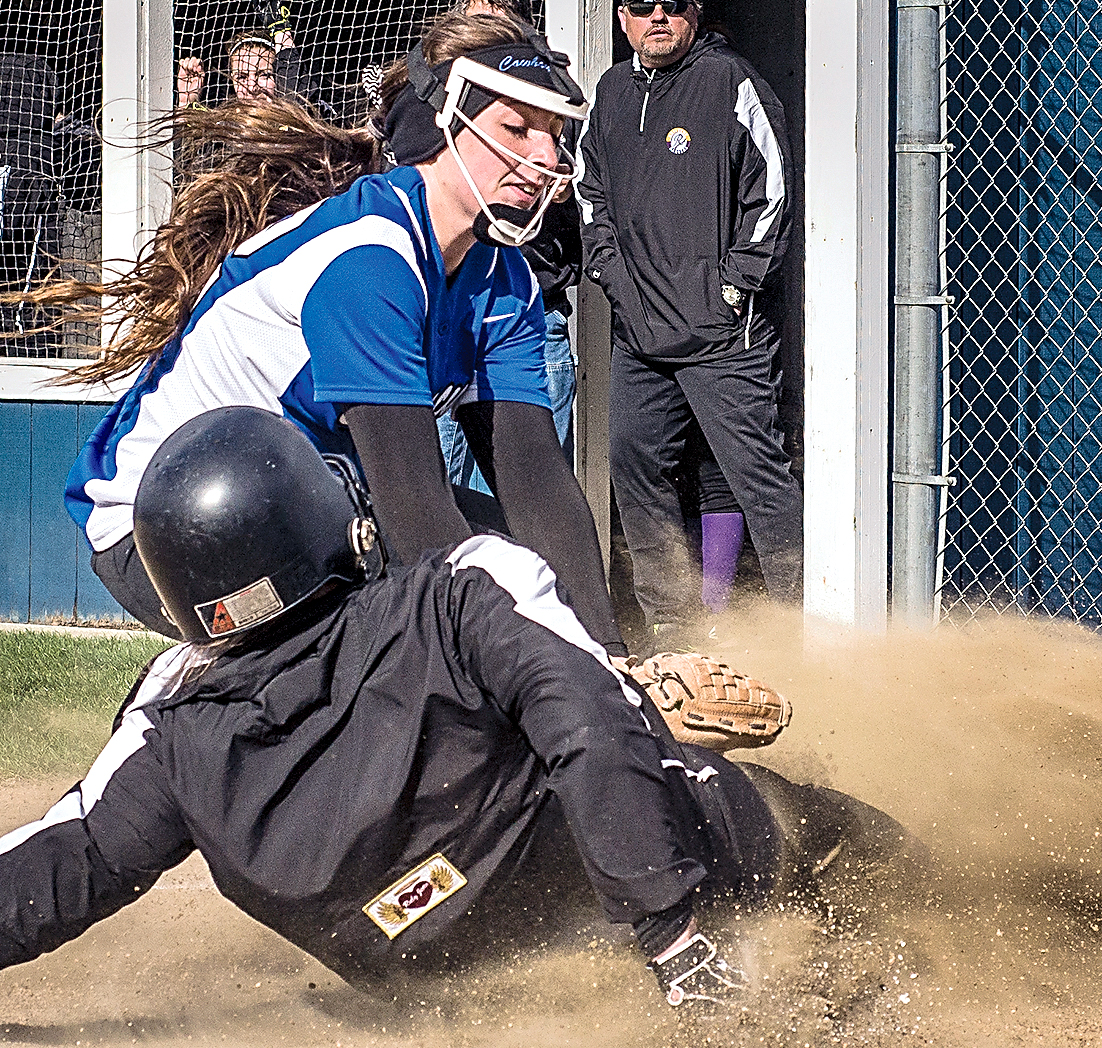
733	395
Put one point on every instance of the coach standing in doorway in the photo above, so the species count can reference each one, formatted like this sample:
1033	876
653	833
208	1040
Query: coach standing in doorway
686	197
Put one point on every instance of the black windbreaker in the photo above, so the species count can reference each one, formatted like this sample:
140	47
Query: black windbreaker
459	711
686	187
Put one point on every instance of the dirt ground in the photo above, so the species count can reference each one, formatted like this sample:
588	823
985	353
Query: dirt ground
984	743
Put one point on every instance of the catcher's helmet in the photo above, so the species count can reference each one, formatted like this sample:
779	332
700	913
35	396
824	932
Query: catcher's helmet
238	518
441	100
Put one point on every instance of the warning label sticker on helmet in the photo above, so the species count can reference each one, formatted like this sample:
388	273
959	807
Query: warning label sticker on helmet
246	607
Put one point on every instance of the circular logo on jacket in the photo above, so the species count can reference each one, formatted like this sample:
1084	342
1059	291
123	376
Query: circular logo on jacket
678	140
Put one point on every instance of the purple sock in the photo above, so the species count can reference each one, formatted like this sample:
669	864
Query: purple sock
721	544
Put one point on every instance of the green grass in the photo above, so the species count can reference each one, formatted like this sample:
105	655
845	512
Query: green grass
58	695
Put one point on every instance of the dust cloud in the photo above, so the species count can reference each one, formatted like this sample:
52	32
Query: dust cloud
983	742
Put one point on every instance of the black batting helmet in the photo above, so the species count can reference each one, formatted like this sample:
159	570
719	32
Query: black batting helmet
238	518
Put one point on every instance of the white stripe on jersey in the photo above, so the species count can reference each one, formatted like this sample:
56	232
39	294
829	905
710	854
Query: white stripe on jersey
751	114
403	196
293	278
123	744
703	775
274	231
529	580
66	810
586	206
163	678
493	263
246	349
167	671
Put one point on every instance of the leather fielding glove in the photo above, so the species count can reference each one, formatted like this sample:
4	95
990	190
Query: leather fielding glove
707	703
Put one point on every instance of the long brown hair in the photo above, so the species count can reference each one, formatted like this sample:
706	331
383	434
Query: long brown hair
239	168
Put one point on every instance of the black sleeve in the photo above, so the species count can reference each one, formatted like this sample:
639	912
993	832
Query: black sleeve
603	260
555	253
103	845
399	449
528	651
518	451
293	80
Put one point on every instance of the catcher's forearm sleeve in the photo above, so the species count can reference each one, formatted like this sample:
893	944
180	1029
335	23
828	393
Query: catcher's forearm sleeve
509	440
399	448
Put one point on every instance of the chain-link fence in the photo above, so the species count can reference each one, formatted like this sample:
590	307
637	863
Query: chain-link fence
50	90
1022	223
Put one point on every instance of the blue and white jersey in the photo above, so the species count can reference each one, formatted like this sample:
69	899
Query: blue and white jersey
346	302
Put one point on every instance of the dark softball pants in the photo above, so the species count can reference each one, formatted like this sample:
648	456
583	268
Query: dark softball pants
733	394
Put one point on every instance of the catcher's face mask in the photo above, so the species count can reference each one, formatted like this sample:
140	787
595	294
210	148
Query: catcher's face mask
527	72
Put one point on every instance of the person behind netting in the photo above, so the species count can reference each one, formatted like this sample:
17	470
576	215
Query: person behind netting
379	302
404	770
555	255
263	63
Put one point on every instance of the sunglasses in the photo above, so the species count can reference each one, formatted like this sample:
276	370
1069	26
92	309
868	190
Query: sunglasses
641	8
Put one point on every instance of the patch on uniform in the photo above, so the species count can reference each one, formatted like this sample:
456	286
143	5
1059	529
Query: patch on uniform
414	894
678	140
254	603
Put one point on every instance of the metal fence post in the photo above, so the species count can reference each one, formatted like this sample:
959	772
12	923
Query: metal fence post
592	316
919	300
137	87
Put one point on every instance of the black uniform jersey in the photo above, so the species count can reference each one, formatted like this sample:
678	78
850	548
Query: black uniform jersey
387	775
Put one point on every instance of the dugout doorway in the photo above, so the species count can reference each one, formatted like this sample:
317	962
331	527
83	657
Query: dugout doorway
771	38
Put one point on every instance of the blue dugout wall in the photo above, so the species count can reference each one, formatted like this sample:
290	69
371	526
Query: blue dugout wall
44	570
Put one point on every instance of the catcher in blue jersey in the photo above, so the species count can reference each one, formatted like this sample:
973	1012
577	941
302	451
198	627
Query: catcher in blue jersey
362	306
424	766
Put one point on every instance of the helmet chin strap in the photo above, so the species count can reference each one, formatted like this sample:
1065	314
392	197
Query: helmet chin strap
503	224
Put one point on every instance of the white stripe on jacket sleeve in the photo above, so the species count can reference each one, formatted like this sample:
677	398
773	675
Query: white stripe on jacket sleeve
751	114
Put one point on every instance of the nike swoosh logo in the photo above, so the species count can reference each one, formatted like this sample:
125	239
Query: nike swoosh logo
501	316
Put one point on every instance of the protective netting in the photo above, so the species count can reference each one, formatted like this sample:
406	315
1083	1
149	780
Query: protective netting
337	51
334	46
1023	525
51	100
50	92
